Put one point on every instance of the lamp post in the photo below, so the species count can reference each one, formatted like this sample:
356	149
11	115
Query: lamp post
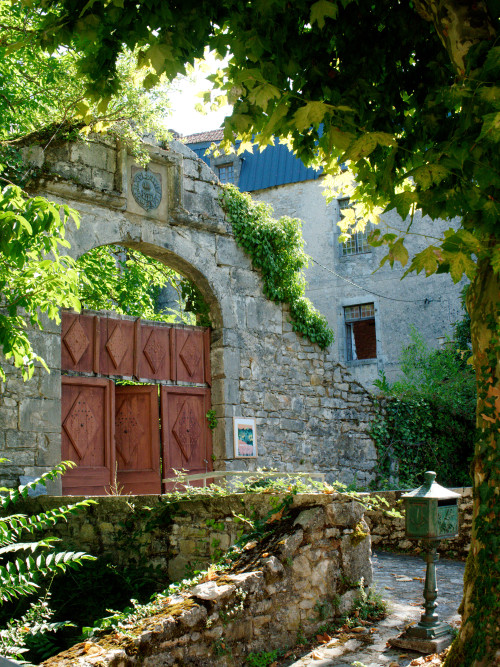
431	515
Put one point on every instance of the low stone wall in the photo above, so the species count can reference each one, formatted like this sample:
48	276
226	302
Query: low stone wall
175	538
389	533
292	580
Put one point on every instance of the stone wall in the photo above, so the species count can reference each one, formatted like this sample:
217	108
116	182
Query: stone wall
430	304
305	572
389	533
311	414
175	537
30	412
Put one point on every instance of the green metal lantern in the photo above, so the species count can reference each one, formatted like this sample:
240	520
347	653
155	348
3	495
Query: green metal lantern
431	511
431	515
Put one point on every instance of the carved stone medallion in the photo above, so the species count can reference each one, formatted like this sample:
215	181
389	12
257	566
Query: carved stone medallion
146	189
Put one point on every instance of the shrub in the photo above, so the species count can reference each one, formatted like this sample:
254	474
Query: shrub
426	419
20	574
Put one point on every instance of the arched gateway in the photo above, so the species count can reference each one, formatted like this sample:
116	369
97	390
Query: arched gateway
310	414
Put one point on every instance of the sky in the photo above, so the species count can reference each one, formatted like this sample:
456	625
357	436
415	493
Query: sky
184	118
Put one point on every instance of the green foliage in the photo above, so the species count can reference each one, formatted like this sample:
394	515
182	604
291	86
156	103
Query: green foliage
277	250
212	419
34	277
443	376
369	604
195	303
20	575
127	282
43	100
413	113
263	659
426	421
461	332
44	96
29	633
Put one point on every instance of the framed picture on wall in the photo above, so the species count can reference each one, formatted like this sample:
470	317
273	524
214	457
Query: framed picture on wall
245	438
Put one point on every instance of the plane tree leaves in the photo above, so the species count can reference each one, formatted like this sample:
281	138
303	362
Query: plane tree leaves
322	9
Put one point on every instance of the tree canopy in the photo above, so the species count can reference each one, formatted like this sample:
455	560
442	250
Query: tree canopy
43	100
407	95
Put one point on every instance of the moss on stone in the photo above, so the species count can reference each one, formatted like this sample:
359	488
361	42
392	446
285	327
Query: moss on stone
359	534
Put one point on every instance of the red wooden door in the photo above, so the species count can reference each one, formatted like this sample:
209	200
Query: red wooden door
87	435
137	439
186	438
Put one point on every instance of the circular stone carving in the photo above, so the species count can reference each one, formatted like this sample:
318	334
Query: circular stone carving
146	189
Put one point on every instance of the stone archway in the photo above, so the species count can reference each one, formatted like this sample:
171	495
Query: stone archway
310	413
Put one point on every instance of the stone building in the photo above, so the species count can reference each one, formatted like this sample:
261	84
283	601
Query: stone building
369	308
310	413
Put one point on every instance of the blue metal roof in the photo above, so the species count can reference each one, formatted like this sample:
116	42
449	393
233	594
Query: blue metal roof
276	165
200	149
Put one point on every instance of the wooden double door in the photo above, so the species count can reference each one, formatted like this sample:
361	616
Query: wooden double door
128	437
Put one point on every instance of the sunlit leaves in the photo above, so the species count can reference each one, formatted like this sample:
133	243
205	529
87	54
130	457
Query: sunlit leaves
262	94
397	253
310	113
34	277
128	282
366	144
403	202
427	260
429	174
321	10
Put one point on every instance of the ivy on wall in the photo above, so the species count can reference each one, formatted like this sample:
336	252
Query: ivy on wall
414	434
277	250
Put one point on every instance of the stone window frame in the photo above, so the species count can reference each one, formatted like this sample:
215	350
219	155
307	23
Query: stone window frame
343	347
357	244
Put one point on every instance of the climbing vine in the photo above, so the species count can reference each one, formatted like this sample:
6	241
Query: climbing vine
413	434
277	250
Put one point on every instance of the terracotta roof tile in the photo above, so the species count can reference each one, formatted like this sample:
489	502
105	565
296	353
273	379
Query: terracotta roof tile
200	137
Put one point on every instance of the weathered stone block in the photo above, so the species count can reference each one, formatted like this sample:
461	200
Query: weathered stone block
40	414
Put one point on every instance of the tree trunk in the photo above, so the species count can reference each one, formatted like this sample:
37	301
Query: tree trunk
478	642
459	24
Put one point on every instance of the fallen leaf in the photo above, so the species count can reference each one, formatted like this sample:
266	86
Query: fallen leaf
394	664
419	579
210	575
265	555
324	638
403	655
358	629
276	517
316	655
249	545
372	630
